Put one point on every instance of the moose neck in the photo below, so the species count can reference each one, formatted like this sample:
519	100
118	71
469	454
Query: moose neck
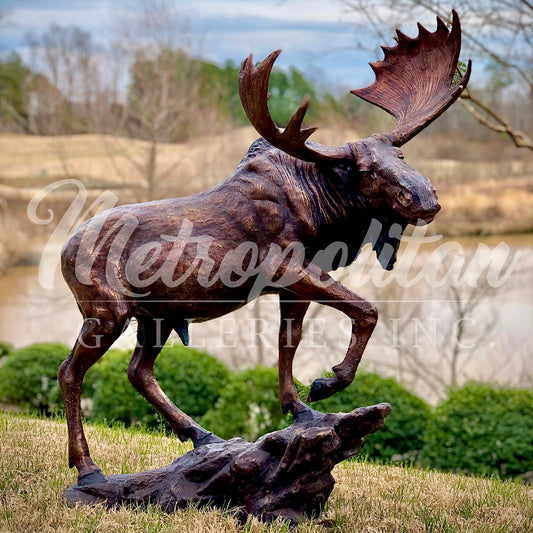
325	202
341	214
331	205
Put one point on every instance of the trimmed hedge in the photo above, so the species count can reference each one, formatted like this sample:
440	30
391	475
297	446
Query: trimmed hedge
479	429
5	349
248	406
402	435
482	429
28	377
193	380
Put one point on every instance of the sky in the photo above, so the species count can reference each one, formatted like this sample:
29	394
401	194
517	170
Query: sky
316	36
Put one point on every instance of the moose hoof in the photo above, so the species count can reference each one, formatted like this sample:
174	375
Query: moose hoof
93	478
321	388
301	412
210	438
308	415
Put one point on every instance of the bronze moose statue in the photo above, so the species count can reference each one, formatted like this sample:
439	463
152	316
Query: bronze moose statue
263	230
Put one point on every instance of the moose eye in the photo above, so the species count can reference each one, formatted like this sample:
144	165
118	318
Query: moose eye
343	167
404	198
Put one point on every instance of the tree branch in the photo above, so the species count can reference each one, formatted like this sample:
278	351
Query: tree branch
498	124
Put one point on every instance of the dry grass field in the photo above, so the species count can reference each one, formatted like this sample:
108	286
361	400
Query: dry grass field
488	191
497	179
367	498
28	162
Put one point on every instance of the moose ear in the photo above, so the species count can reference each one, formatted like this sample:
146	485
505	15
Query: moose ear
387	244
363	154
339	172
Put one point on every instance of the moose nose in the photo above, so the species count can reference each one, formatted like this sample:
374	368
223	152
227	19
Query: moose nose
436	208
431	212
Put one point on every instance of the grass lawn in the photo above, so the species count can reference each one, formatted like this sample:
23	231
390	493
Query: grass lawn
367	497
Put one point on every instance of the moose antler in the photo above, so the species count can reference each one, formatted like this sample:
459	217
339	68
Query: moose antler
414	80
413	84
253	91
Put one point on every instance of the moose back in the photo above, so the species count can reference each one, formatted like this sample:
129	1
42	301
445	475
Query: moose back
273	226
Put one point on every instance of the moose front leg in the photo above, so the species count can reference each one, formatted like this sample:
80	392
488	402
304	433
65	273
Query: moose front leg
315	284
292	312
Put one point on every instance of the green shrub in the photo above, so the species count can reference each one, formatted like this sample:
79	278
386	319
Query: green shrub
482	429
191	379
402	435
248	406
28	378
5	349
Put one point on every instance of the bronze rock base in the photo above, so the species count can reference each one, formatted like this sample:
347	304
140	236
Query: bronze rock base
284	474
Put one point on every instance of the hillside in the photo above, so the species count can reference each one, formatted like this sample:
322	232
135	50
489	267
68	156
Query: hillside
484	177
488	191
366	498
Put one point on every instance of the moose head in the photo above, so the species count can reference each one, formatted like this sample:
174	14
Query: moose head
414	83
265	229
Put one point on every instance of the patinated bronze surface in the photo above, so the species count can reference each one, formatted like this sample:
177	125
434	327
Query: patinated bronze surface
273	226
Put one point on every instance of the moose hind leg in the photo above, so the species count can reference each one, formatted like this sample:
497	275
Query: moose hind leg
93	341
151	335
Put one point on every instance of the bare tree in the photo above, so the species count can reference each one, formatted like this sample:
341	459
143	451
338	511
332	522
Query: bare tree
64	99
435	341
437	334
143	84
162	105
498	34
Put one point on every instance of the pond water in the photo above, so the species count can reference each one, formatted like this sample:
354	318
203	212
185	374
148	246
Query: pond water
31	312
